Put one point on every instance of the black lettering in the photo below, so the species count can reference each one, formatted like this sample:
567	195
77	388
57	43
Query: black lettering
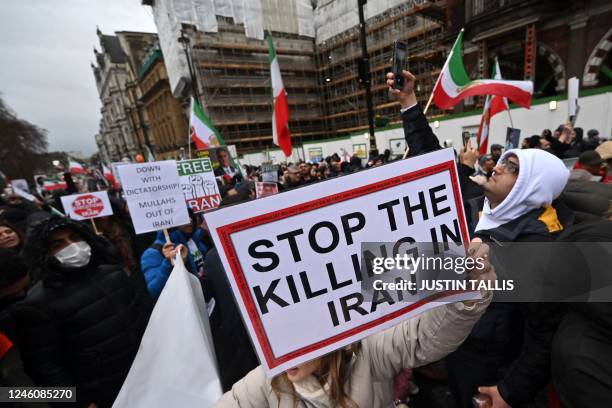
307	289
406	240
332	313
380	296
346	308
293	289
420	206
447	233
348	231
274	261
262	300
313	240
290	237
437	200
390	214
332	278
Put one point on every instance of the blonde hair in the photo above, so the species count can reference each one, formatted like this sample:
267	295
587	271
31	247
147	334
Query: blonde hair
334	370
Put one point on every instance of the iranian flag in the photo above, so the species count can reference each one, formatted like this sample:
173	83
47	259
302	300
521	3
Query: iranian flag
280	108
454	85
75	167
201	129
108	175
493	104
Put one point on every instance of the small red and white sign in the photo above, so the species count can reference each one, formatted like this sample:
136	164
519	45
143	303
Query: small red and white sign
88	205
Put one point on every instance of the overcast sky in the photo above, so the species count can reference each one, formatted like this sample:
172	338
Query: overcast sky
46	47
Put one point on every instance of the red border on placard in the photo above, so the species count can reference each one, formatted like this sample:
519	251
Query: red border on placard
227	230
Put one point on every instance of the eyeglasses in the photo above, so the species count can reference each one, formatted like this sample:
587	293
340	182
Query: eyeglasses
509	166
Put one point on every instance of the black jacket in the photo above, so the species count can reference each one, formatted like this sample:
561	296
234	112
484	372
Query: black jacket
235	354
82	326
530	370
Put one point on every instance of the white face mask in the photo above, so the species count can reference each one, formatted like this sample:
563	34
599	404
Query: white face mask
75	255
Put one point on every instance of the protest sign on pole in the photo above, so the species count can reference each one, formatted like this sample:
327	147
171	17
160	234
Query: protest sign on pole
24	194
175	365
21	184
269	173
264	189
199	184
293	260
115	169
87	205
512	138
573	85
154	195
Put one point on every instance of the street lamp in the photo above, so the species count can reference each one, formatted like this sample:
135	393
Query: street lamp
186	43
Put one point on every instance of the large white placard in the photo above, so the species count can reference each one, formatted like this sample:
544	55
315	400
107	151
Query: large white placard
293	259
87	205
154	195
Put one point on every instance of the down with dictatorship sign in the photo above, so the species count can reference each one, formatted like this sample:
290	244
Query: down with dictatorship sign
294	264
154	195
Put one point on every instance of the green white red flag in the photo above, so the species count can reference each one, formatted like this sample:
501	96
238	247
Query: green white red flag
280	108
493	104
454	85
201	129
75	167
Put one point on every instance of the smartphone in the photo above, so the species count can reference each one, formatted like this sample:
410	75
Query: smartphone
574	117
466	138
398	63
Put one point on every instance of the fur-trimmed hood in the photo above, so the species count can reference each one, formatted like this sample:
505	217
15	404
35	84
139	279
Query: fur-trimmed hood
46	267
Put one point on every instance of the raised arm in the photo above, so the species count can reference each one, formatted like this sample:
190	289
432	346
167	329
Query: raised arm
432	335
419	136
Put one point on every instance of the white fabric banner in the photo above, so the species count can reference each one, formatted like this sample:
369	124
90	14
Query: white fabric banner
175	365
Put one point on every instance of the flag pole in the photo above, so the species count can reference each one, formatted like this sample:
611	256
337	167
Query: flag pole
189	130
429	101
440	75
436	84
510	117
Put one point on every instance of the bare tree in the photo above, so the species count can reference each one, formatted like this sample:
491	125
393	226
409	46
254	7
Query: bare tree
21	144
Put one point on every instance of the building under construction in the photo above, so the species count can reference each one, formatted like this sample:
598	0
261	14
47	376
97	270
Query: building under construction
234	81
318	44
340	57
319	56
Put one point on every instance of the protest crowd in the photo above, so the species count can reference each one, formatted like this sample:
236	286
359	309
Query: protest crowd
77	296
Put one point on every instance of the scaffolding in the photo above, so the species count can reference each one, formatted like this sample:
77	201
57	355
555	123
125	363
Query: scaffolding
320	74
234	79
420	26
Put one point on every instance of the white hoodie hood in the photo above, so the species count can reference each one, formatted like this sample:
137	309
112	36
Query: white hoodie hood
541	179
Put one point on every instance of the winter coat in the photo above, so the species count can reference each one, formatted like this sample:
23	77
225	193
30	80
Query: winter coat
157	269
80	327
530	369
12	373
423	339
233	348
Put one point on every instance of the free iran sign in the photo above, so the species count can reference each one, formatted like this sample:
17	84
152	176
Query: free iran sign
88	205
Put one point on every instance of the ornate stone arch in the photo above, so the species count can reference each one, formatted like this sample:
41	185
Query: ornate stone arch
593	65
556	63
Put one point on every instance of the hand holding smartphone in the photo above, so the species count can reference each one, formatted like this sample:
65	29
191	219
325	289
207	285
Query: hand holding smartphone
398	63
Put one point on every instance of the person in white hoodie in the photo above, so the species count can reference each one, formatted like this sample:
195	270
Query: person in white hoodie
507	354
